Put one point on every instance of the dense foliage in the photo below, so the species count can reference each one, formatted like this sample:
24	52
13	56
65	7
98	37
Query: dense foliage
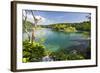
70	27
27	26
67	55
33	52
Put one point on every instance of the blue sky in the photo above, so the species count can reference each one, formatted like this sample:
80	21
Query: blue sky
52	17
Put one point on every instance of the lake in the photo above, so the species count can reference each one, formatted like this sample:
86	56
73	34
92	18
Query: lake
55	40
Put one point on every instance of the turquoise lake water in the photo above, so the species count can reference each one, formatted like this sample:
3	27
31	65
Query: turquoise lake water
55	40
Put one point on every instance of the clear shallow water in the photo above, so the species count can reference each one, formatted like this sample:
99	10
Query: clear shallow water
55	40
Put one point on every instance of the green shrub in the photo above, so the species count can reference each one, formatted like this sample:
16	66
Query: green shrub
59	56
32	52
75	57
70	29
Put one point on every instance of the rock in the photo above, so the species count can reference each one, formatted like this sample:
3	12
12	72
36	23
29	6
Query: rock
46	59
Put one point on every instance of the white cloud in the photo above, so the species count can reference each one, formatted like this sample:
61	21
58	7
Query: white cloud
41	19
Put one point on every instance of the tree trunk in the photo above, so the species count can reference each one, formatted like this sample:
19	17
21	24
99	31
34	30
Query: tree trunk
33	36
33	30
